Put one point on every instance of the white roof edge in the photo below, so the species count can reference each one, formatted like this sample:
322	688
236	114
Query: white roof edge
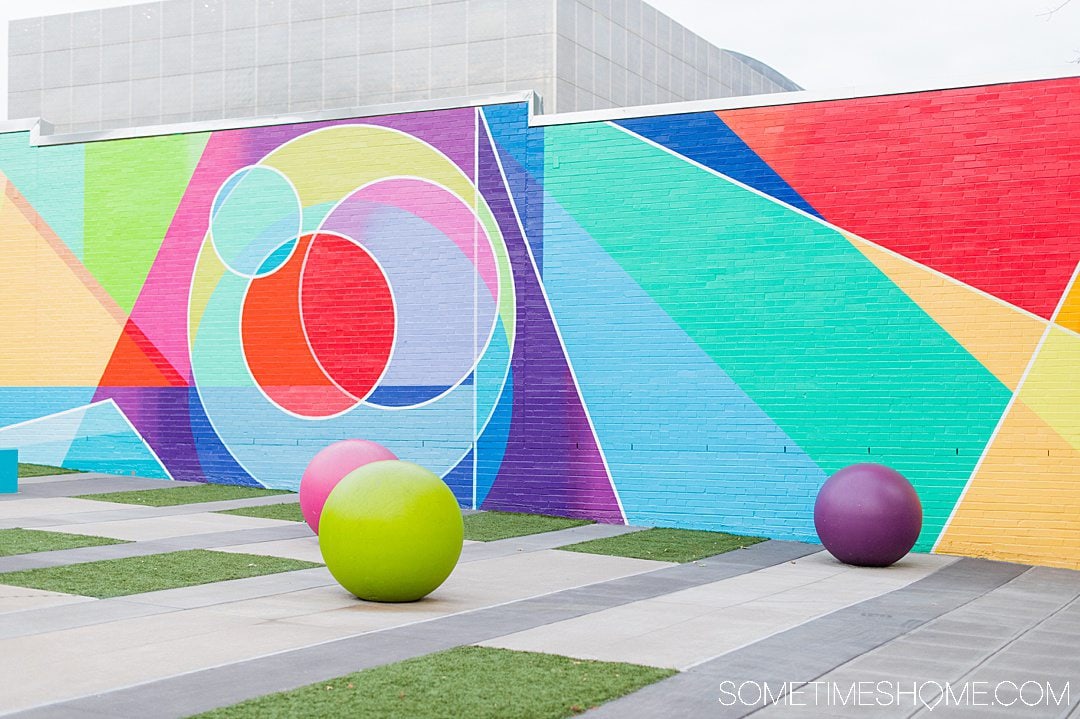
41	133
21	124
791	98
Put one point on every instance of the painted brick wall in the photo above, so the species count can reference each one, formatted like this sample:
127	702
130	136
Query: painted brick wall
687	320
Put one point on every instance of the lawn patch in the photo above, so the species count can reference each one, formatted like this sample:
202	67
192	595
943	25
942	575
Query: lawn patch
289	512
27	541
44	470
172	496
665	545
135	575
490	526
473	682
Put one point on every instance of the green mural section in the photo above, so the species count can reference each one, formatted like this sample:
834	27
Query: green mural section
51	180
815	334
132	191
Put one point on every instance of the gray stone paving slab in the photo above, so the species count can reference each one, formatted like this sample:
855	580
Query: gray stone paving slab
82	555
808	651
44	478
75	484
50	619
82	614
1025	656
133	511
200	691
544	540
236	590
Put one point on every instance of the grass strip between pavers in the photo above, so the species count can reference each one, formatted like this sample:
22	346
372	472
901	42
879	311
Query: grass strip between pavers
171	496
492	526
43	470
665	545
289	512
28	541
462	683
150	573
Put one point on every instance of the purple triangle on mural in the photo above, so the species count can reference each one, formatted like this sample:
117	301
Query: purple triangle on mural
552	464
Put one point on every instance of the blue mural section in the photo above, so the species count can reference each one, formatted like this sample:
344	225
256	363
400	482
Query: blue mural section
685	445
704	138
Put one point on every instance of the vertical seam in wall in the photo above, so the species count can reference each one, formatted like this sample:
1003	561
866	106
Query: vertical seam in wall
1008	407
476	308
429	88
288	62
255	82
393	55
554	57
161	60
131	61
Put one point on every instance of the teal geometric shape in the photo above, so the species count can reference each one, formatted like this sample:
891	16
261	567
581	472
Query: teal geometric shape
45	440
685	445
107	442
51	179
819	338
254	213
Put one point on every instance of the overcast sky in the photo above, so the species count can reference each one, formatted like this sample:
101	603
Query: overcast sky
824	44
827	44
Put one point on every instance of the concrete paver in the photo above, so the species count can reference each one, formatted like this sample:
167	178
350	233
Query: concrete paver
218	627
17	599
774	612
302	548
812	649
33	507
151	528
69	485
685	628
184	694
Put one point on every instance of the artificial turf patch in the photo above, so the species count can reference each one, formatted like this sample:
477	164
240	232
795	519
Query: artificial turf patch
665	545
27	541
190	494
490	526
150	573
44	470
289	512
472	682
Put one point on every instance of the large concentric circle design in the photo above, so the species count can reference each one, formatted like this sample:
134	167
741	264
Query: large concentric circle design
353	276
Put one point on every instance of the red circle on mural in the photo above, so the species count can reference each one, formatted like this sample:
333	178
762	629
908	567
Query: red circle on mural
318	333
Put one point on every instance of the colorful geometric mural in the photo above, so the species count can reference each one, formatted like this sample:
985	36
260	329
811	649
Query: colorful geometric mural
687	320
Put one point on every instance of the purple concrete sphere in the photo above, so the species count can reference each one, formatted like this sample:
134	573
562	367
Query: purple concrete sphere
868	515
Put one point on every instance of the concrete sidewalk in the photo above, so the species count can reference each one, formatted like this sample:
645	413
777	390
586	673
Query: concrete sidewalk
777	613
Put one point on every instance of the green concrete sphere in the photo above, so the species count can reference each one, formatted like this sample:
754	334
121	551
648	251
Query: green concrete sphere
391	531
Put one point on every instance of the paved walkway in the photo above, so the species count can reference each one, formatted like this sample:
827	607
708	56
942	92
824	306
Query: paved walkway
778	619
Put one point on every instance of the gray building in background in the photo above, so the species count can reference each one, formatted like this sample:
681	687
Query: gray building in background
191	60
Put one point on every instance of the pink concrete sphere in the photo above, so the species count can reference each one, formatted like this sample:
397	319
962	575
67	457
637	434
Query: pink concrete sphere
328	467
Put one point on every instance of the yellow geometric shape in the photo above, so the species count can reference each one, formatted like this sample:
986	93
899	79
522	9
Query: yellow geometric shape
1021	506
328	164
998	335
1052	387
1069	315
208	272
60	326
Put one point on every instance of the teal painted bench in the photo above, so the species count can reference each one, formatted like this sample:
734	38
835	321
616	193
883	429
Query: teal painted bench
9	471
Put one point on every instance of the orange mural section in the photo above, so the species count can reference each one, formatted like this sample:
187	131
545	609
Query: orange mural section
68	340
1002	337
